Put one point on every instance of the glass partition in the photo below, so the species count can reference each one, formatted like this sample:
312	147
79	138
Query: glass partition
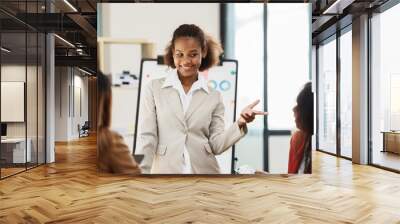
249	19
22	88
385	89
14	153
327	95
346	93
31	100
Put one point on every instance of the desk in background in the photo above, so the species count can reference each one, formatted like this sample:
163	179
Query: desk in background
391	141
13	150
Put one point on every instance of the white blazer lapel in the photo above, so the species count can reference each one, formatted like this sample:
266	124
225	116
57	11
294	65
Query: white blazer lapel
199	97
174	102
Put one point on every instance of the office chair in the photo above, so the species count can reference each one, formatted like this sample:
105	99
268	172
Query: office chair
84	130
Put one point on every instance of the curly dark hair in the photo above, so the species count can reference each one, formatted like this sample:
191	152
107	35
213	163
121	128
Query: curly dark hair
213	47
305	108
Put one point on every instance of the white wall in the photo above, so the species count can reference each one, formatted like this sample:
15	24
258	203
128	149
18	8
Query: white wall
12	73
153	22
123	118
71	92
80	103
61	103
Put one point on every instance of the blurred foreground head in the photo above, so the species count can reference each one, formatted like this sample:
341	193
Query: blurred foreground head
304	110
104	97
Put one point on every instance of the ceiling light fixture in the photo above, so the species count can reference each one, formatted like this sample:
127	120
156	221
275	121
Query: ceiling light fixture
5	49
79	51
86	72
70	5
337	7
64	40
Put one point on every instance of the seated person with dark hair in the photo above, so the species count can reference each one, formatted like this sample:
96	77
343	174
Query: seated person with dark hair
113	155
300	143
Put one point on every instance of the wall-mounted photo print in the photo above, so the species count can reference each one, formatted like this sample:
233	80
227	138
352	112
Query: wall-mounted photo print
185	93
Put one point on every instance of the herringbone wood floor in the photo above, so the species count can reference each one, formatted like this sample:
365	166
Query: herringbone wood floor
71	191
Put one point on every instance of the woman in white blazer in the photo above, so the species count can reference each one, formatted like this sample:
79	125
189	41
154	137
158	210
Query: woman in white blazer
182	126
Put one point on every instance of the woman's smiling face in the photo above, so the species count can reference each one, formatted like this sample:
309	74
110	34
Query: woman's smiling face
187	54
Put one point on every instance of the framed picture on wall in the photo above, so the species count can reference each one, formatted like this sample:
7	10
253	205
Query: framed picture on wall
12	101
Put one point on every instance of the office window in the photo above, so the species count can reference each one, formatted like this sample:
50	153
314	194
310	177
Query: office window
288	69
346	93
385	88
288	60
282	22
248	50
327	95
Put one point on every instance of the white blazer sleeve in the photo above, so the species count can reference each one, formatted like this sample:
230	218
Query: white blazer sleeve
149	131
221	139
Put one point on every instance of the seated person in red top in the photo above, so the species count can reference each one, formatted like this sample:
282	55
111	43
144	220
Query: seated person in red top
300	143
